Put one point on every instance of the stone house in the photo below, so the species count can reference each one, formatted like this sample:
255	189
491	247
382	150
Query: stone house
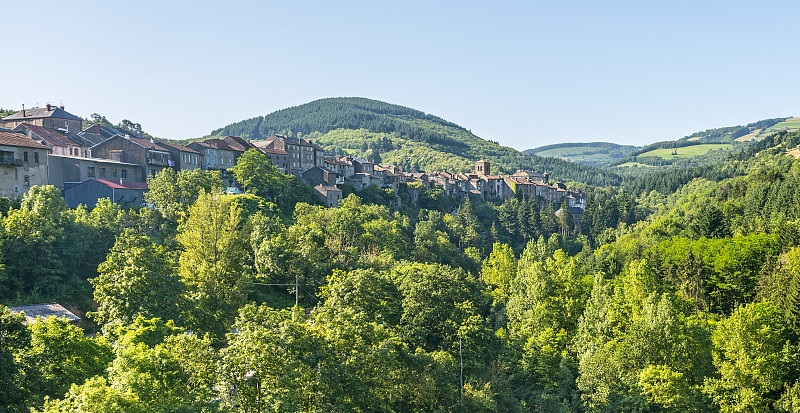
217	154
302	154
151	156
66	171
330	195
57	142
184	158
341	166
23	163
48	117
320	176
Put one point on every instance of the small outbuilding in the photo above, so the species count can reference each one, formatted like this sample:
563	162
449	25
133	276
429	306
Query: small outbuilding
125	194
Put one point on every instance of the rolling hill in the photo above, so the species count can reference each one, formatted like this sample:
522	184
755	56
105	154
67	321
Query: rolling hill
403	136
700	148
592	153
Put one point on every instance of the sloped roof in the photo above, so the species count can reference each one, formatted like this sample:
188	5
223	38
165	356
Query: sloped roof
178	147
34	311
273	151
39	113
98	160
148	144
52	136
19	139
220	144
121	185
238	143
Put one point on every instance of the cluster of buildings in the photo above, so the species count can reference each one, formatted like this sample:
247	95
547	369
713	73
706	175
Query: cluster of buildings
479	185
48	146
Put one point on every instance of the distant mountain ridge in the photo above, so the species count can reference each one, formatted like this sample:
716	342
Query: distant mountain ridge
403	136
589	153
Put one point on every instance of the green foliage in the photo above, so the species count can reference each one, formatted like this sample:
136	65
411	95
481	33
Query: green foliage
173	192
255	171
215	264
137	279
47	251
60	356
14	336
172	376
755	356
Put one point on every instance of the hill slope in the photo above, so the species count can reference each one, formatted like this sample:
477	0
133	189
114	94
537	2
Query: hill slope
700	148
592	153
395	134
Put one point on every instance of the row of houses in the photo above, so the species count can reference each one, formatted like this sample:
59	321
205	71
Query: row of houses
40	146
46	145
479	185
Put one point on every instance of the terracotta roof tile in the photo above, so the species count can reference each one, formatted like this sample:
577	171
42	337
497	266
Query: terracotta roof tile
122	185
178	147
19	139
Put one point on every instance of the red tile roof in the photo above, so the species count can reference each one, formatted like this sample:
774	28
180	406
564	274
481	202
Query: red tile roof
10	138
148	144
178	147
220	144
52	136
122	185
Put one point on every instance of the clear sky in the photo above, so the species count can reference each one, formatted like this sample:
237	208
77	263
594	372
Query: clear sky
524	73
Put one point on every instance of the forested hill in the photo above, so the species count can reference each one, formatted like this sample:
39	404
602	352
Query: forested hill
403	136
591	153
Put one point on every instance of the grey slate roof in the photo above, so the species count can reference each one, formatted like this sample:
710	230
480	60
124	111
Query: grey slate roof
34	311
39	113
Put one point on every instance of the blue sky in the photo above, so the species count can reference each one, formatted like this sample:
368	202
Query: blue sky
525	74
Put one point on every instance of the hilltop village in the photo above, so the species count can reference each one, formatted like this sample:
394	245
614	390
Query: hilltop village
50	146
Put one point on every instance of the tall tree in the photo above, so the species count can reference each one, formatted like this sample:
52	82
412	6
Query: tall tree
137	279
216	262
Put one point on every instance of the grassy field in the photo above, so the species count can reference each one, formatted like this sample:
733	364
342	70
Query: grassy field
632	164
687	151
750	136
788	124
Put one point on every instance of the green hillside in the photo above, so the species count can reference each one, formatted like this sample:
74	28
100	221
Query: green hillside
741	133
395	134
700	148
591	153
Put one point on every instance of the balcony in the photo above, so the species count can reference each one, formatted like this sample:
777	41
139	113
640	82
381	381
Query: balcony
10	162
158	161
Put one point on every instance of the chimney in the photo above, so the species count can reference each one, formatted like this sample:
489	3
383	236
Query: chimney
49	108
23	110
62	107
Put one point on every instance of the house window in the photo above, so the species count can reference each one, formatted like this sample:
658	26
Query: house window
16	174
114	173
36	157
124	173
25	156
27	181
90	172
102	172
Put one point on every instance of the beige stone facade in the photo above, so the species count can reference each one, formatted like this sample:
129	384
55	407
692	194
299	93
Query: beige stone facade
23	164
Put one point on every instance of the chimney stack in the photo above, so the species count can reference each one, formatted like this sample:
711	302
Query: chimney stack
23	110
62	107
49	108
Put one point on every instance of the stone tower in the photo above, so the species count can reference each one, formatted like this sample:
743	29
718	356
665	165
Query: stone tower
482	167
